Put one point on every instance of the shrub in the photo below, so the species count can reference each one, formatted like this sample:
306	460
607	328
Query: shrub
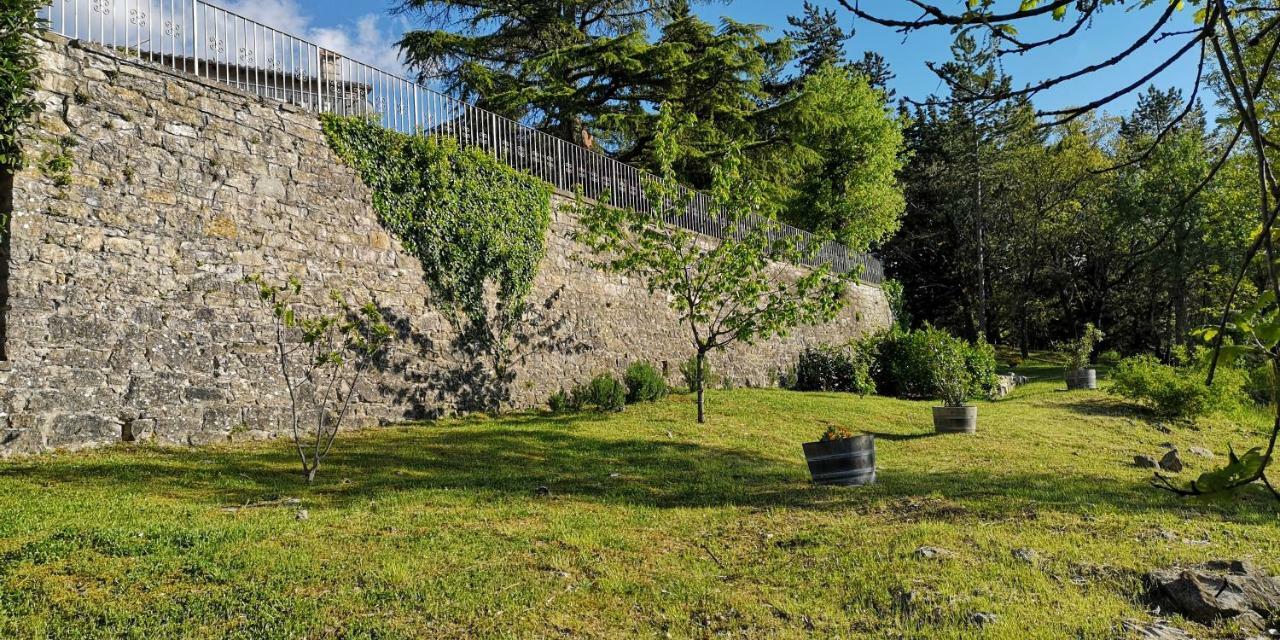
787	379
905	363
644	383
1079	351
561	402
1015	360
1109	357
902	364
980	361
688	371
604	393
1177	391
1260	385
952	379
835	368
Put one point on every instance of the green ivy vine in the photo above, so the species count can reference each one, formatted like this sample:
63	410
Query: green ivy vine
469	219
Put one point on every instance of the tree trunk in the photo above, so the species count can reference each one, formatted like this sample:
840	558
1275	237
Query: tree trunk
698	368
1179	290
980	233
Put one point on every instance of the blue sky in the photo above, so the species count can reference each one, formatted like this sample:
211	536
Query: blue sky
365	30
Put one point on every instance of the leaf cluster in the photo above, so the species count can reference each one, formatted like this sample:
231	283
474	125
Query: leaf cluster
19	68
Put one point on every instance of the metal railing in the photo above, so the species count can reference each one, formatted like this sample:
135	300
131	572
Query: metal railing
195	37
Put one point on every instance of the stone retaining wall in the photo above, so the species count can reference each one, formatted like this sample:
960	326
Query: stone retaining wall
126	318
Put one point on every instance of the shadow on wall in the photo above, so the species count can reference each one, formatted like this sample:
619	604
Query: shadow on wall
483	361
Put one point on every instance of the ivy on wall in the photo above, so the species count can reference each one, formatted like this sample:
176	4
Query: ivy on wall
18	71
469	219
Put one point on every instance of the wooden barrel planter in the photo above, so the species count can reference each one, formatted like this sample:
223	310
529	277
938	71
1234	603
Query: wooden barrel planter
1081	379
955	419
851	461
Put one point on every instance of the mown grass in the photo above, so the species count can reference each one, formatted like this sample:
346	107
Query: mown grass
654	526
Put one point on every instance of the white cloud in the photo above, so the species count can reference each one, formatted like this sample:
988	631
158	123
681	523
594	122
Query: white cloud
369	40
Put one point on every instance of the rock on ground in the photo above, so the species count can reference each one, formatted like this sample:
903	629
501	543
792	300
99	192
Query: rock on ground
1171	461
1145	462
1217	590
1157	630
1026	555
983	619
1006	384
930	553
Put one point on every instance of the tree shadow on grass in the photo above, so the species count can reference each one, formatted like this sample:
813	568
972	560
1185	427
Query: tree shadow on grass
901	437
515	456
1107	407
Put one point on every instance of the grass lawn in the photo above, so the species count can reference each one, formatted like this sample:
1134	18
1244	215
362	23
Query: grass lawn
654	527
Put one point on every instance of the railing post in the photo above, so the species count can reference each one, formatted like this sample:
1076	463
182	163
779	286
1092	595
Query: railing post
319	81
195	36
417	121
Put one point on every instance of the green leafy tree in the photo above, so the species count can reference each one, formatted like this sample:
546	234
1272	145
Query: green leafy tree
594	72
965	181
837	170
550	60
819	41
18	75
724	290
1236	43
819	38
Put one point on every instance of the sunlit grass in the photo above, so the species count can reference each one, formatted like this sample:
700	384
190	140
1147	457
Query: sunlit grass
653	526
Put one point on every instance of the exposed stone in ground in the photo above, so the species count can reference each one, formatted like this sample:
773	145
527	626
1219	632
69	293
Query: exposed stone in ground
1200	451
1026	555
1171	462
930	553
1219	590
1145	462
982	619
1006	384
1157	630
302	514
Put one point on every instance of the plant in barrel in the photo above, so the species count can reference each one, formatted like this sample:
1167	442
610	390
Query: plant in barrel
842	457
953	381
1078	354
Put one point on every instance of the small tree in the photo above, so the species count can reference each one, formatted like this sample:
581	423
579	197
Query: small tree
725	290
322	359
1079	352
